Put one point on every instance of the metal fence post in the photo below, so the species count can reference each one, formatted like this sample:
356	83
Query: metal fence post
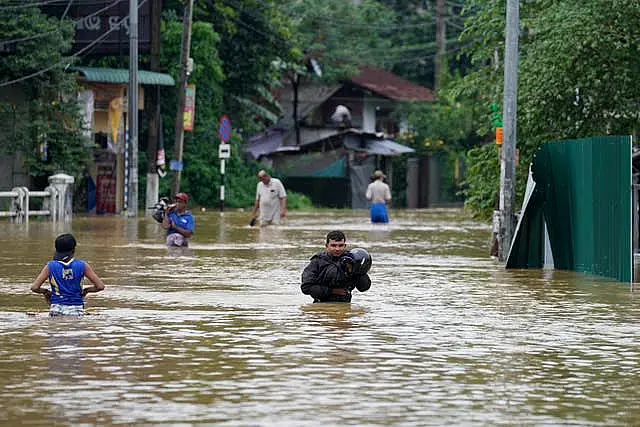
25	204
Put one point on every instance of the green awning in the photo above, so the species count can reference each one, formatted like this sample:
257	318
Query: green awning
116	75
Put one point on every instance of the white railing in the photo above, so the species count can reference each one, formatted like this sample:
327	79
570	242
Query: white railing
20	209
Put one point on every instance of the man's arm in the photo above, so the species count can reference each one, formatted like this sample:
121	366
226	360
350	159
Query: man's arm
283	207
256	206
98	285
363	283
37	283
185	231
166	224
311	284
282	194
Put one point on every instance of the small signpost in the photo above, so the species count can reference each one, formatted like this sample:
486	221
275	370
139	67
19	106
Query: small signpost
224	152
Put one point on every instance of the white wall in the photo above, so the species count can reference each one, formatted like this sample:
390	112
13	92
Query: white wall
369	114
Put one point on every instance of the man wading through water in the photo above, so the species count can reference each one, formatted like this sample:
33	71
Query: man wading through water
271	200
333	274
178	222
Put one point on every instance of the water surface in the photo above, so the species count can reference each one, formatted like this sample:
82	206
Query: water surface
220	333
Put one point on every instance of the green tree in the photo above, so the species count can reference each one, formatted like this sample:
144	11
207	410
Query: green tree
253	34
42	119
200	146
577	62
342	33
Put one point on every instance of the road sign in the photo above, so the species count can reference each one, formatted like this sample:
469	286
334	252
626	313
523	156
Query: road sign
224	151
225	129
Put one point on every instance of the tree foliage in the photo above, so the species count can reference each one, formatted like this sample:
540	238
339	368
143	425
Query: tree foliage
341	34
41	118
577	64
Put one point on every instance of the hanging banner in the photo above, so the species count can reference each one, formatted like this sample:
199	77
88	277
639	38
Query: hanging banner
189	107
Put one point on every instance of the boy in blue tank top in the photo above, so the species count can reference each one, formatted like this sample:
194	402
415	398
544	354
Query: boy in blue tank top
65	274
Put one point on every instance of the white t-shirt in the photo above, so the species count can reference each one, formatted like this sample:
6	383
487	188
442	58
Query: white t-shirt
269	196
378	192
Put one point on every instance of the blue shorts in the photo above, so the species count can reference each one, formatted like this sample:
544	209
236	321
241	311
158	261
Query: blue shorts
379	212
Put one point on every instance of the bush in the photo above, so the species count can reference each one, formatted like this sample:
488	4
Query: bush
298	201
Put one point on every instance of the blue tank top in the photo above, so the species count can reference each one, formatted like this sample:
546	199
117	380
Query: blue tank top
65	279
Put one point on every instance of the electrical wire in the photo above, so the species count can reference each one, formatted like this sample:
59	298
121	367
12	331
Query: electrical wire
391	55
67	59
454	25
37	36
23	5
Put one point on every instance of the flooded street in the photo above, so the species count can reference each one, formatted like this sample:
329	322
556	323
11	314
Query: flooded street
220	333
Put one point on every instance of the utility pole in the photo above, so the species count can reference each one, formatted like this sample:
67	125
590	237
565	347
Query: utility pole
132	101
295	82
153	106
510	112
440	44
184	59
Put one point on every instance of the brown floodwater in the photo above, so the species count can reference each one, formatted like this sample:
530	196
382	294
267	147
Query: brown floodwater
220	333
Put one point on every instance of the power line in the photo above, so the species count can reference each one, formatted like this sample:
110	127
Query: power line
452	3
454	25
37	36
67	59
23	5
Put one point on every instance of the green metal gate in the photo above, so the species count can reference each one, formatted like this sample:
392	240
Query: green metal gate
581	191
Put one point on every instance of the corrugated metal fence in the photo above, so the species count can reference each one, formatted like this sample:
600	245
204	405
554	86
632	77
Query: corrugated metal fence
582	194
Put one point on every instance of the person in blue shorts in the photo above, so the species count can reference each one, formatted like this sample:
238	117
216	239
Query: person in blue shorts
179	222
379	194
65	274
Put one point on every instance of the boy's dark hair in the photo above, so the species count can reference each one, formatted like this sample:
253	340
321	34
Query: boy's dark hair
65	246
336	235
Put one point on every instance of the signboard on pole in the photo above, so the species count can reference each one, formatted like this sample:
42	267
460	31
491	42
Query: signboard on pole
103	21
189	107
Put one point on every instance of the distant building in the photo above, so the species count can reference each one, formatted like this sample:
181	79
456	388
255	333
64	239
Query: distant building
345	132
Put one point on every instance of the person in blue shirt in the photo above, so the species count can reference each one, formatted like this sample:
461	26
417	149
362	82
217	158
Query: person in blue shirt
65	274
178	222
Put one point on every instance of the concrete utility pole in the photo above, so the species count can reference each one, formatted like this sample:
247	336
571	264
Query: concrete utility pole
295	84
184	59
132	99
440	44
153	106
510	112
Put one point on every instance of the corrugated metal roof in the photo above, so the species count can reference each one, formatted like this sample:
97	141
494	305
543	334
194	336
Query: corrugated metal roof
382	147
116	75
392	86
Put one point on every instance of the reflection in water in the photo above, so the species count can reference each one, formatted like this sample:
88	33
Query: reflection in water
336	316
220	332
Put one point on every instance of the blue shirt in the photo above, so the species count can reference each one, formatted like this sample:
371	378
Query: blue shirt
186	221
65	279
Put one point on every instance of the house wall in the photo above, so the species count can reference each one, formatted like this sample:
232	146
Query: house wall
349	96
369	114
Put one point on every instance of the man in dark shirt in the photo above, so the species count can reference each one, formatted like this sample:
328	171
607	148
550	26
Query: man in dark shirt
325	278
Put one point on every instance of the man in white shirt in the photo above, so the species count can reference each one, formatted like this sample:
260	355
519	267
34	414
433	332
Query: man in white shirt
379	194
271	200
